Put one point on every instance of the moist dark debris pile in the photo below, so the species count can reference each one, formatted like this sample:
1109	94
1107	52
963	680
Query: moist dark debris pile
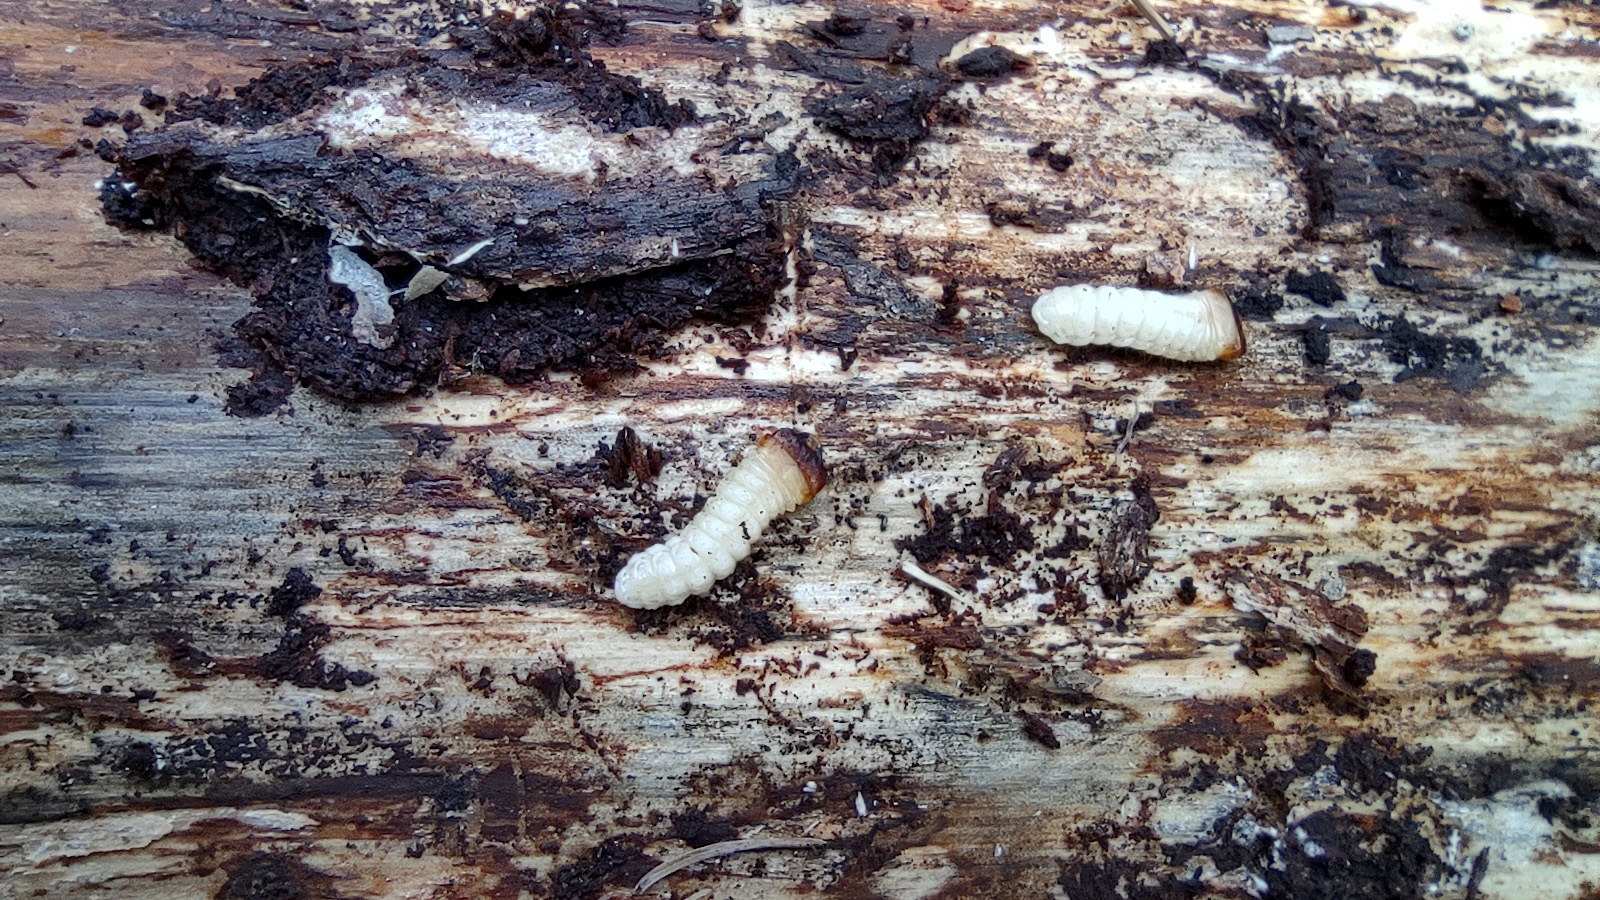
296	659
1257	301
1275	844
886	116
1395	169
540	270
997	536
1457	361
1320	287
991	62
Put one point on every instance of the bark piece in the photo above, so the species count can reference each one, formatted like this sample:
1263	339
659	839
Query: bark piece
1332	631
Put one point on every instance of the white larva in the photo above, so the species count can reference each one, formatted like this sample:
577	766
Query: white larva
1189	327
782	473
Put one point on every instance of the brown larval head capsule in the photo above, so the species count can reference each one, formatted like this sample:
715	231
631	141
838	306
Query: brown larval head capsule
805	457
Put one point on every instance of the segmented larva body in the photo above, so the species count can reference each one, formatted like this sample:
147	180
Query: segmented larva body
1189	327
782	473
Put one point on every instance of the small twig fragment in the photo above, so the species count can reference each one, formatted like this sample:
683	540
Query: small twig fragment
1148	10
724	848
927	579
1133	422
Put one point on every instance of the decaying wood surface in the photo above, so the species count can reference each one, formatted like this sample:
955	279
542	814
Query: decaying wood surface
1316	623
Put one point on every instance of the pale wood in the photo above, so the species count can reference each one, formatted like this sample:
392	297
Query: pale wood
117	454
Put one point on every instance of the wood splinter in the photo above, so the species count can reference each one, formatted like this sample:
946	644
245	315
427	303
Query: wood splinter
782	473
1148	10
725	848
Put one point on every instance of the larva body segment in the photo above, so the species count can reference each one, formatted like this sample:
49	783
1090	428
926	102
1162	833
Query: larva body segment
782	473
1191	327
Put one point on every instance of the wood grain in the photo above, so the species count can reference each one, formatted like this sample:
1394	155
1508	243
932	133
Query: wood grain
370	651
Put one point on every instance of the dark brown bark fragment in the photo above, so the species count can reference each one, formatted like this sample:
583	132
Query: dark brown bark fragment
612	284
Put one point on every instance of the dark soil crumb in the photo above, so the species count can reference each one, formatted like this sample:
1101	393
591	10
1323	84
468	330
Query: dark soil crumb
1165	52
1455	360
555	682
1350	391
432	440
1017	469
749	623
267	389
1360	666
296	659
948	315
886	116
991	62
998	535
1318	347
1400	867
185	659
1039	730
127	205
274	97
697	829
1377	762
762	615
99	117
1115	879
1319	286
139	760
1057	160
1257	302
296	591
739	366
1380	851
1186	591
271	876
526	501
613	862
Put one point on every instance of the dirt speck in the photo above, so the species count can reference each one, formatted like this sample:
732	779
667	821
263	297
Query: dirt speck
1322	289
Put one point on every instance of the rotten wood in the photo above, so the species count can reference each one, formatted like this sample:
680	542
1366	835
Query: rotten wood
358	641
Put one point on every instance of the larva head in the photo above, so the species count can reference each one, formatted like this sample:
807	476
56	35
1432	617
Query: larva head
1226	325
806	457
